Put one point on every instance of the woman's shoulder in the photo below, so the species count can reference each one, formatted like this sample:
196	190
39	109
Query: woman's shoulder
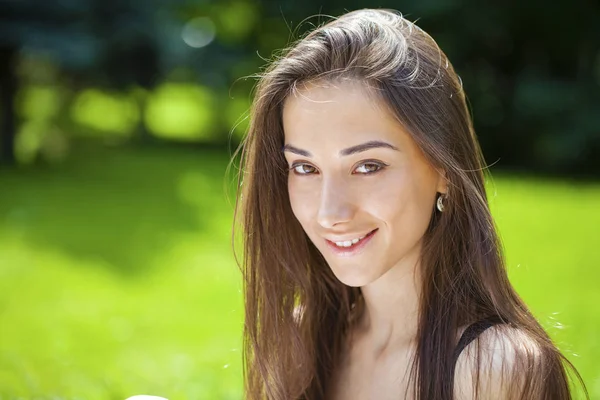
497	363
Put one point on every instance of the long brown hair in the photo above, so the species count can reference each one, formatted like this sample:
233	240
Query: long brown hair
297	312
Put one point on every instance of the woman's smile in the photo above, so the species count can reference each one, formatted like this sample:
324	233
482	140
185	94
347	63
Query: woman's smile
353	247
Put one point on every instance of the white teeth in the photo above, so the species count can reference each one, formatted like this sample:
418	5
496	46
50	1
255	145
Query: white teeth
348	243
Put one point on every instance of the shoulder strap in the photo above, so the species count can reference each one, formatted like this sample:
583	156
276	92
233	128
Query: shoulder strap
471	334
467	337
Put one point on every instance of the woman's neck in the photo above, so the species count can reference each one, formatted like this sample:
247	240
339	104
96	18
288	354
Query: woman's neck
390	314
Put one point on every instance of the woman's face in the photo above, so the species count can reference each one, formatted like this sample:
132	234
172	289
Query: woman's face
356	174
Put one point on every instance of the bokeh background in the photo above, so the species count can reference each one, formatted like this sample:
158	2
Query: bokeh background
118	119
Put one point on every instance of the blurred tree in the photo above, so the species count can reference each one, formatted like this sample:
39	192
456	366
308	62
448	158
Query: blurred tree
8	89
95	42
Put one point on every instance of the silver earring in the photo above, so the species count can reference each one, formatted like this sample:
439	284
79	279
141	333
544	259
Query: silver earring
440	202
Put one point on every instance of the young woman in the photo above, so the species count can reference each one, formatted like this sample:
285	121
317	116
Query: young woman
372	267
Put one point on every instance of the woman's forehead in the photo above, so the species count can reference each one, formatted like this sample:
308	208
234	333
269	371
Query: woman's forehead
345	112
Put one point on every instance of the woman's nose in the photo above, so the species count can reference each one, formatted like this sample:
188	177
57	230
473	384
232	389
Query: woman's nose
335	205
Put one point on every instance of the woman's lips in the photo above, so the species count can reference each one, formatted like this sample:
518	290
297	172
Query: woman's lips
354	249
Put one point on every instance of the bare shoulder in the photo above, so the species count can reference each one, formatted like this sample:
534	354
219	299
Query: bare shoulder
496	365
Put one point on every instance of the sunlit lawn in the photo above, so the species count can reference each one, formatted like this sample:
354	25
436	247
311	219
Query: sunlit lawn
117	276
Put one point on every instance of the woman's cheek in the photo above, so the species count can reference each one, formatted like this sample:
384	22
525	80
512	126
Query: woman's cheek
386	191
300	201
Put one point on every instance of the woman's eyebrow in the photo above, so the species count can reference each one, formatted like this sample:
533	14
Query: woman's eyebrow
371	144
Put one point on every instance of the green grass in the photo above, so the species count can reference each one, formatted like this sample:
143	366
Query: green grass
117	276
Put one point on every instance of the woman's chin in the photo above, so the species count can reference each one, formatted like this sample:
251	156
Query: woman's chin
352	278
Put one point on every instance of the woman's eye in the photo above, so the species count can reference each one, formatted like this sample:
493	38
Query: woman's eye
303	169
368	168
365	168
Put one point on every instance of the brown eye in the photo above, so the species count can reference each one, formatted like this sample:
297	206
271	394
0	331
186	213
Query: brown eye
303	169
369	168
